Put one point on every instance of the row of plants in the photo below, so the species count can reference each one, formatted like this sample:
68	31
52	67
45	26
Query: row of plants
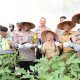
58	68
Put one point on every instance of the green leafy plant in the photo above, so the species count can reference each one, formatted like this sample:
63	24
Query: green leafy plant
7	66
9	69
65	67
58	68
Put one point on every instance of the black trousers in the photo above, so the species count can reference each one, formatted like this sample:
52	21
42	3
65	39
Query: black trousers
26	64
38	54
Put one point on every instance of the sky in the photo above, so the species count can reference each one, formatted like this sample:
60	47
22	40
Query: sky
12	11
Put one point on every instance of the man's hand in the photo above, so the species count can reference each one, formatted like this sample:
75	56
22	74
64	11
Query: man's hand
57	43
68	44
20	46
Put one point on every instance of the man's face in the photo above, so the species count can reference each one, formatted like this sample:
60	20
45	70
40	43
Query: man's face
67	28
3	34
62	19
18	27
10	28
26	28
42	22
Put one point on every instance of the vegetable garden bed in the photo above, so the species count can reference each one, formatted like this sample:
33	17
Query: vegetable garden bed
57	68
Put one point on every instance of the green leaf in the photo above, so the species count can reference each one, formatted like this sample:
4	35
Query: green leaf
20	70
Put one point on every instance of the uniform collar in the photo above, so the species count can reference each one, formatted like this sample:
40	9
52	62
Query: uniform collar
68	33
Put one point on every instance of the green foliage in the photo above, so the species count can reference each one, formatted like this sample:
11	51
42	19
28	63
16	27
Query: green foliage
65	67
7	65
58	68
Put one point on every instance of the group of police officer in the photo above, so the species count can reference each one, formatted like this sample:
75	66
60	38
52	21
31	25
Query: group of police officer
28	42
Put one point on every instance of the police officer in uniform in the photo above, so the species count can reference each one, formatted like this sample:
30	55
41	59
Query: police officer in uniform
25	44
